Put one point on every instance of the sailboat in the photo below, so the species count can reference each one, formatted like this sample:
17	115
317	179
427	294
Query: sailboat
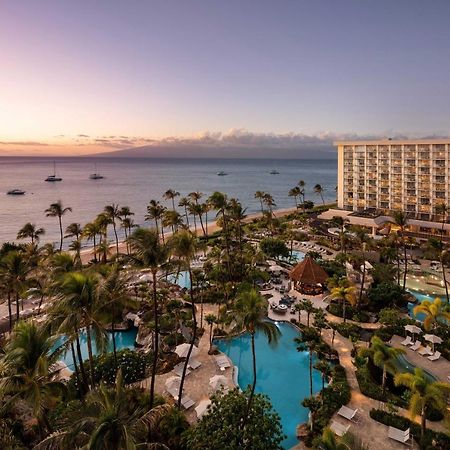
95	175
53	177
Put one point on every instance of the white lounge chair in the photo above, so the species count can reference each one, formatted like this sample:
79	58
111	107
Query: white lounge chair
399	435
194	364
407	341
348	413
435	356
173	391
415	346
425	351
339	429
222	362
178	369
187	402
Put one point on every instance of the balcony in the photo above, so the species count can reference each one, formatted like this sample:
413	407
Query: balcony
424	208
439	171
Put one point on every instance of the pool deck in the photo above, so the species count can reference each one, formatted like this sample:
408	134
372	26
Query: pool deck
440	368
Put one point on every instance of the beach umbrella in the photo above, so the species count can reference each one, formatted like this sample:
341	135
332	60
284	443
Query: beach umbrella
413	329
218	381
202	407
173	382
183	349
433	339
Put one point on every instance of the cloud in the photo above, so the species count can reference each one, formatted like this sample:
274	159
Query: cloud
26	143
83	135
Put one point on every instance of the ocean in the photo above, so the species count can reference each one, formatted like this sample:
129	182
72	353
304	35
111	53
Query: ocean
134	182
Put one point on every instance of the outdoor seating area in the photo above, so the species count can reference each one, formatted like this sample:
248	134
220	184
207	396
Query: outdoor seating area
308	277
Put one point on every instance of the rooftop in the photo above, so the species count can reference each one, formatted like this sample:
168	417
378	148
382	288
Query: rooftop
394	142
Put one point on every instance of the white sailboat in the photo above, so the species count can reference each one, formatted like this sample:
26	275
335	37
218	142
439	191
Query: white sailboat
53	177
96	175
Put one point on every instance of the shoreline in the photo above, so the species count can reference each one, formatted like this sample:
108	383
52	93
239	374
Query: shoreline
87	254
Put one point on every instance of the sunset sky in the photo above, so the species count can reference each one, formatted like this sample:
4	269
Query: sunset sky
84	76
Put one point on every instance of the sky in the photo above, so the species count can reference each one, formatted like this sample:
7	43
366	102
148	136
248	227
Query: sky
77	77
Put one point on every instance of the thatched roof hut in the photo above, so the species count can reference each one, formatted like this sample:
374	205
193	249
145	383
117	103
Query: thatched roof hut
308	276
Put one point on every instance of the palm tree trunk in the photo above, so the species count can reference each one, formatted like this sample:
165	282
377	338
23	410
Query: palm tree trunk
262	207
406	264
210	335
80	359
362	283
95	248
310	373
115	235
17	307
77	373
113	329
10	311
195	224
343	309
383	380
201	224
206	220
194	335
60	233
252	391
187	216
321	196
155	342
91	356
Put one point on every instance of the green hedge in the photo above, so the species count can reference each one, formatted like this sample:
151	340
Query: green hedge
350	312
432	440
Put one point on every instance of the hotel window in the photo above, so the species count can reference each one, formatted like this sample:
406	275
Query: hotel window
424	201
384	205
411	208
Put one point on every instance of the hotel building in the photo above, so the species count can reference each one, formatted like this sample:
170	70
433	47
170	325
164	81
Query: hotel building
376	178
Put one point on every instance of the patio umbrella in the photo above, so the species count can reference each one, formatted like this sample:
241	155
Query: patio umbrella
218	381
183	349
413	329
173	382
202	407
433	339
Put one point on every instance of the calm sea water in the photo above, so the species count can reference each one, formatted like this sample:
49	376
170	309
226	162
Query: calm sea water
133	182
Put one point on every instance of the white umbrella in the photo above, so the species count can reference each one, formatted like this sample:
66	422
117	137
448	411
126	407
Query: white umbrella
173	382
413	329
433	339
218	381
202	407
182	350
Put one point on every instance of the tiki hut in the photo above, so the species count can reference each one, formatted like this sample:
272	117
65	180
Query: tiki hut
308	277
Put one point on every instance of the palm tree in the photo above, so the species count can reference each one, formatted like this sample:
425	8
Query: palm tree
344	293
210	319
307	306
90	231
57	210
74	230
27	371
401	221
150	252
106	422
249	315
184	203
426	394
127	223
183	247
383	356
155	211
260	196
295	192
434	311
318	189
29	230
348	441
170	194
197	209
325	369
308	342
112	212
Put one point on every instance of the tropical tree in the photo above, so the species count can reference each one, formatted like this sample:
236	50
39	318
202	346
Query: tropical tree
249	315
295	192
27	371
260	196
348	441
426	395
172	219
307	306
30	231
301	184
74	230
184	203
112	212
155	211
170	194
325	369
57	210
318	189
434	312
308	342
107	422
344	293
210	319
383	356
91	230
401	220
149	251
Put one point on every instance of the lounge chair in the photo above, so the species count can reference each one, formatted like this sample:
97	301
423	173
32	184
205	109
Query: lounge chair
399	435
348	413
222	362
187	402
425	351
415	346
178	369
407	341
435	356
194	364
338	428
173	391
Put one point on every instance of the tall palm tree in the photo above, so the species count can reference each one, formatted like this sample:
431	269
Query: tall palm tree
74	230
170	194
434	312
260	196
426	395
295	192
442	209
183	247
30	231
155	211
112	212
195	196
172	219
318	189
344	293
210	319
383	356
27	370
184	203
105	421
127	223
57	210
91	230
149	251
308	342
401	220
197	209
249	315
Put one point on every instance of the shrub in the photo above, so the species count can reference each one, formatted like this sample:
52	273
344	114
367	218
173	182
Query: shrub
348	329
350	312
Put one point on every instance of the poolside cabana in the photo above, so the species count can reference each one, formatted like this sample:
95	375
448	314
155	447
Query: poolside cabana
308	277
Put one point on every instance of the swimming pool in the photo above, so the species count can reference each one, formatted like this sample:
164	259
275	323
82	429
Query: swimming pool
282	374
296	257
180	278
420	298
124	339
404	365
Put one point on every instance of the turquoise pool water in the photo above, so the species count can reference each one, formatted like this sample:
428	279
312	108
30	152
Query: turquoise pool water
182	279
296	257
124	339
282	374
404	365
